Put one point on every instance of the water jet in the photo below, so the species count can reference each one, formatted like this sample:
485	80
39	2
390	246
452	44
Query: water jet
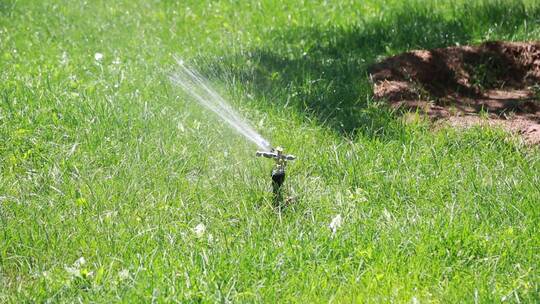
200	89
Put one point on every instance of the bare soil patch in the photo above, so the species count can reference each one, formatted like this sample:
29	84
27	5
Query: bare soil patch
499	81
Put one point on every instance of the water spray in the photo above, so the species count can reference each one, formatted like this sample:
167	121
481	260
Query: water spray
201	90
278	172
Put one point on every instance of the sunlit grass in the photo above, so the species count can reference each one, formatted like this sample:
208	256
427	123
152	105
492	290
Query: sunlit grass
114	188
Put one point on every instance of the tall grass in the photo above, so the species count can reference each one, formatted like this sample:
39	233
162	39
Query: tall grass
105	172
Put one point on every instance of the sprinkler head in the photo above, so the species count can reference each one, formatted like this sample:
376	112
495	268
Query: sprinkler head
276	154
278	172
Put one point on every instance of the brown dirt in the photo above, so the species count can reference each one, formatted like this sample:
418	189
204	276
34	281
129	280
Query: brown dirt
454	85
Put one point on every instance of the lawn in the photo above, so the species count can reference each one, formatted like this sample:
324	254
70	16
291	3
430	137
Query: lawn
115	187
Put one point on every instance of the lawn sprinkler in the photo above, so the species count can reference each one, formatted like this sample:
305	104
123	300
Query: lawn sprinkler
278	172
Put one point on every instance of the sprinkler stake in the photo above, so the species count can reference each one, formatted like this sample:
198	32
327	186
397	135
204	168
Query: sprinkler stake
278	172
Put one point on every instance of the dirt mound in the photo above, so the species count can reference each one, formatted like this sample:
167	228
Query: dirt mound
499	79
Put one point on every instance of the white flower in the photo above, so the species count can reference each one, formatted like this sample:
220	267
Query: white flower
116	61
199	230
79	262
72	271
123	274
65	58
98	56
75	269
335	223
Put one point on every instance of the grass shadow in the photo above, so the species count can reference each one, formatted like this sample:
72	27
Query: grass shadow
7	8
323	71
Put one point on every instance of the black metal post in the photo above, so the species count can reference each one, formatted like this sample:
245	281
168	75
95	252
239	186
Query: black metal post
278	177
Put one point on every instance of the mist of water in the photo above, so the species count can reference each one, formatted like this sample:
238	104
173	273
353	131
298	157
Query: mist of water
200	89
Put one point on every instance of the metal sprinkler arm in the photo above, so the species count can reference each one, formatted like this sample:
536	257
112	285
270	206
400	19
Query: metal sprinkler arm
277	155
266	154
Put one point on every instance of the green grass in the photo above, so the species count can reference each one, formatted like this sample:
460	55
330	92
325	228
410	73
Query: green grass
107	161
